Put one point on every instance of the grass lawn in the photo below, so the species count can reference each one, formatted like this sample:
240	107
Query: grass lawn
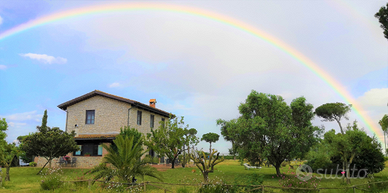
24	179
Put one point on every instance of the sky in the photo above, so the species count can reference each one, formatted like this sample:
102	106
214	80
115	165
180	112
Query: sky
194	66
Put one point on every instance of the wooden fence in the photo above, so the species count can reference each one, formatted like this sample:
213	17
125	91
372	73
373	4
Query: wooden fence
255	187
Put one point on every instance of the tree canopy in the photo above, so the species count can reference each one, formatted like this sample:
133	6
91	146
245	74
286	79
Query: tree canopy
210	138
168	140
124	162
347	145
333	112
382	15
227	131
49	142
269	128
3	135
384	123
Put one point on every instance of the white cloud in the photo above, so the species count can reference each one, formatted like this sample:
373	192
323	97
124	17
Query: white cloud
3	67
32	115
1	20
15	124
377	97
45	58
115	84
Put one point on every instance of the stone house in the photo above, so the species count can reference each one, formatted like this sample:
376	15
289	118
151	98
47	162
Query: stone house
96	118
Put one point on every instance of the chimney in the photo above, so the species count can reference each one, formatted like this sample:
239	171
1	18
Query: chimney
152	102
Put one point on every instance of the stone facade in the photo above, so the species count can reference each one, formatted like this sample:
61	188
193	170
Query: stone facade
110	116
82	161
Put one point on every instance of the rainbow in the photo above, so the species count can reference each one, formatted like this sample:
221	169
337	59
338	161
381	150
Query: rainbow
117	7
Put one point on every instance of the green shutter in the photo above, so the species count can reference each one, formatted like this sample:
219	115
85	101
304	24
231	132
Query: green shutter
99	150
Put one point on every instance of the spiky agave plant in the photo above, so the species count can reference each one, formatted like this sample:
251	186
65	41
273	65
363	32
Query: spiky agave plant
125	162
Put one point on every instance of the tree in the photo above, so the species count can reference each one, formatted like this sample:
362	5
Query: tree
382	15
384	126
333	112
124	162
168	140
228	132
128	132
23	155
347	145
49	142
3	135
205	165
273	130
210	138
10	151
189	139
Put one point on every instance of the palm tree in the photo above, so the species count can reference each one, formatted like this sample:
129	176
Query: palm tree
125	162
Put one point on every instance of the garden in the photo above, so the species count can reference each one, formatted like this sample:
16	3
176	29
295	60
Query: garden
24	179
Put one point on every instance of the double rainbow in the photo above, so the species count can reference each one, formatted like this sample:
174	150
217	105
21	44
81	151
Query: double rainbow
117	7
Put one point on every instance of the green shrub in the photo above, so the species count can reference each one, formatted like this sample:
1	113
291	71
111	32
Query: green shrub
216	188
51	178
251	180
152	160
182	190
81	181
32	164
51	183
291	181
284	164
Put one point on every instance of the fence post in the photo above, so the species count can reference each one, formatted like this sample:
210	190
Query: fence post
262	188
145	187
354	190
89	183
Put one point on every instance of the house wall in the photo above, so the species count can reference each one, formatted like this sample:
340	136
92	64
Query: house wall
82	162
110	116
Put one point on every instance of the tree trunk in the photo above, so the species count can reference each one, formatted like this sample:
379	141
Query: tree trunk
210	150
43	167
343	169
184	157
205	176
385	150
7	178
342	131
278	170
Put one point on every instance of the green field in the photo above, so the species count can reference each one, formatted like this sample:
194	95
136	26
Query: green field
24	179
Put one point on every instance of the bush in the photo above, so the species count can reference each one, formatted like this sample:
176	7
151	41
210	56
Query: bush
51	178
151	160
182	190
229	157
250	180
33	164
51	183
81	183
216	188
284	164
292	181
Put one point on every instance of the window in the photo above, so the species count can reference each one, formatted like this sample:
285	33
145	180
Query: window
139	117
90	117
78	152
163	122
152	121
92	149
